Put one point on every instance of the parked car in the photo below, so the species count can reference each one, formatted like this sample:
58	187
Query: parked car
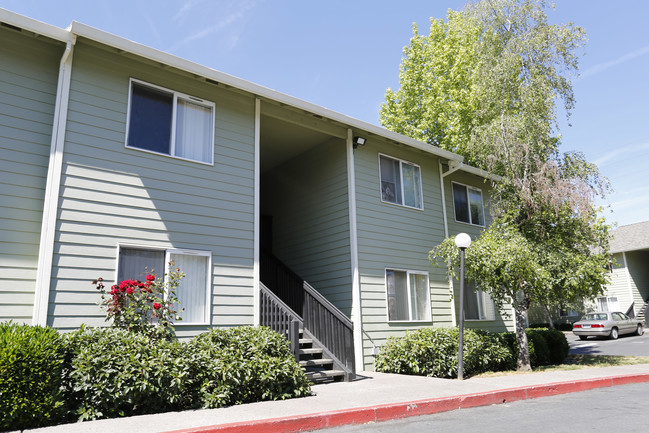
607	324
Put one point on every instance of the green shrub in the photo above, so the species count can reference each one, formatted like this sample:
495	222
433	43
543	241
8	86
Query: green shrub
31	359
547	346
242	365
111	372
557	345
434	352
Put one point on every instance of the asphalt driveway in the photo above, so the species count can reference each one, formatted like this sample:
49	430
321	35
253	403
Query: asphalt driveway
626	345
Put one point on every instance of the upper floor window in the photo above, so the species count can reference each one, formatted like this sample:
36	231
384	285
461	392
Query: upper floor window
194	290
478	305
468	204
170	123
400	182
408	295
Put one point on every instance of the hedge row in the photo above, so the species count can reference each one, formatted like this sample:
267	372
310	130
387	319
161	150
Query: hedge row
434	351
47	378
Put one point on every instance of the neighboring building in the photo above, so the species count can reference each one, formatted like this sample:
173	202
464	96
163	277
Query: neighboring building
629	288
116	157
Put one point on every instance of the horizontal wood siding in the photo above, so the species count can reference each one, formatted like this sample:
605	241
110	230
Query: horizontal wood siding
639	268
29	70
504	318
396	237
622	285
308	201
112	195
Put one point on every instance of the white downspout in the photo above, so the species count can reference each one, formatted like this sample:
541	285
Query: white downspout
257	218
353	246
443	190
52	189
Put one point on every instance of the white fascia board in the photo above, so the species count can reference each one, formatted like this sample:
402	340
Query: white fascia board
34	26
480	172
144	51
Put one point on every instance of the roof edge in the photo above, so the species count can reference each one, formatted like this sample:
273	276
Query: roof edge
35	26
154	54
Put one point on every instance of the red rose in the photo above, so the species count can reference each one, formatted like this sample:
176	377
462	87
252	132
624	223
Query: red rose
150	277
156	305
123	285
129	290
140	285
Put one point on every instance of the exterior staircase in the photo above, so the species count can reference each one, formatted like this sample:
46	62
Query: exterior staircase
643	311
316	365
320	336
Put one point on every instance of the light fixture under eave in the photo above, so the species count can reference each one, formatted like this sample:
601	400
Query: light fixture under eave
358	141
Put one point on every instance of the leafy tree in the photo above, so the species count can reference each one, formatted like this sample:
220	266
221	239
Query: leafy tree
485	84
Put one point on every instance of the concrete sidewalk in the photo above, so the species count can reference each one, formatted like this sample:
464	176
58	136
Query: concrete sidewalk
372	397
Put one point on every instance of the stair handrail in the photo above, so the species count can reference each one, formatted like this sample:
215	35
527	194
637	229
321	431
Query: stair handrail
328	305
318	315
290	324
631	310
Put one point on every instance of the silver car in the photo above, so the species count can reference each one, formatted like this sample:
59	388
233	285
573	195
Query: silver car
607	324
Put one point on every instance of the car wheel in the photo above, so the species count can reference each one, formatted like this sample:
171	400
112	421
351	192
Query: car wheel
583	337
640	330
614	334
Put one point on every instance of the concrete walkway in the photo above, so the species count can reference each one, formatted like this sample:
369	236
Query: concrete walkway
372	397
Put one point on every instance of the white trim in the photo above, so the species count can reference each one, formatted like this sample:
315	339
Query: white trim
421	181
445	218
35	26
468	202
208	281
52	190
174	120
261	91
257	218
178	251
387	305
357	311
122	44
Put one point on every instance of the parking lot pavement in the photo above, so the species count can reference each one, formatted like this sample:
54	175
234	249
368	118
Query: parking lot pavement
626	345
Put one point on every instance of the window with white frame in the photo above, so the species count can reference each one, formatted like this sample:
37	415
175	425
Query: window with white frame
400	182
408	295
468	204
478	305
194	290
170	123
608	303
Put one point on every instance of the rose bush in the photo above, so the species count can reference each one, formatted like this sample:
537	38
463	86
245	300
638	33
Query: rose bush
149	307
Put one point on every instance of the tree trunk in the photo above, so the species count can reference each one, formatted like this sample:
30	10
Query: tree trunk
523	361
547	311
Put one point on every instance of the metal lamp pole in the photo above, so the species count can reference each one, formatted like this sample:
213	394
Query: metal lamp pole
462	241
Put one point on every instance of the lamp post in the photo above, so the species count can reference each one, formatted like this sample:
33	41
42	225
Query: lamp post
462	241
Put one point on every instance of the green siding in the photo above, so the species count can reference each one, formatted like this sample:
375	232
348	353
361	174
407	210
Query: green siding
392	236
28	78
631	283
308	200
500	323
111	195
639	269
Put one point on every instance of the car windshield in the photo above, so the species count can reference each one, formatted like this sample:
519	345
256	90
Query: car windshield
594	316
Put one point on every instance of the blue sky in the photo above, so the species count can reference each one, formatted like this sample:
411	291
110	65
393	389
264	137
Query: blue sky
343	54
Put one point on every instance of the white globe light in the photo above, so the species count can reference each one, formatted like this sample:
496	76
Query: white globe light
463	240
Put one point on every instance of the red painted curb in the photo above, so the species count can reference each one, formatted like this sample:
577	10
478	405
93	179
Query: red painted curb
390	411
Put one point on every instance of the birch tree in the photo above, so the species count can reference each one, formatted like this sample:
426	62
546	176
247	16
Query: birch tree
486	83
